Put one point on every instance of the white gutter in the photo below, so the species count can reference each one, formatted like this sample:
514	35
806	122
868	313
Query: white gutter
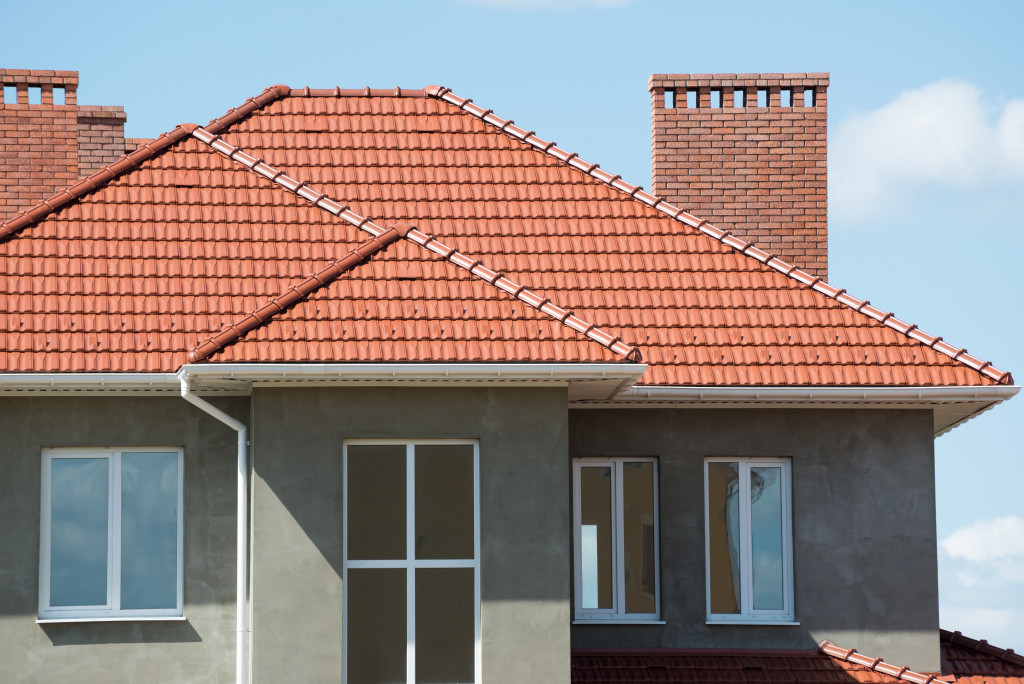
241	535
167	382
256	372
818	394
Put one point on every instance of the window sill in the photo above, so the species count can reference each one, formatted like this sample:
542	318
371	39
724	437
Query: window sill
618	622
777	623
127	618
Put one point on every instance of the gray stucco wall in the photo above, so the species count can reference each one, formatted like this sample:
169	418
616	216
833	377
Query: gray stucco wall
297	523
865	567
199	649
863	524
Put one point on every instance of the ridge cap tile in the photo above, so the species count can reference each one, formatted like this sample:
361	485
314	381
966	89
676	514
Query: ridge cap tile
879	665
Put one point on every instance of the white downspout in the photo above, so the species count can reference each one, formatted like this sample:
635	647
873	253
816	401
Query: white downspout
241	540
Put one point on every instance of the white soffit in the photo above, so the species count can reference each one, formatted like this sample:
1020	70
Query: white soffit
950	405
584	381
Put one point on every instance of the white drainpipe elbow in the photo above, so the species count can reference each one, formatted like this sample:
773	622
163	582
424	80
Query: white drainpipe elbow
242	533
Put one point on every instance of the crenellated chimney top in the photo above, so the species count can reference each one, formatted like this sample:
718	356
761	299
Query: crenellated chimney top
48	140
747	152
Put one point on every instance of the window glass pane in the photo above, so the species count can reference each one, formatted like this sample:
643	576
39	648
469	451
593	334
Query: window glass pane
444	625
78	531
724	536
376	502
376	625
596	536
444	501
149	530
638	535
766	537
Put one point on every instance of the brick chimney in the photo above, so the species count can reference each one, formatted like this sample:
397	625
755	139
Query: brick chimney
47	140
746	152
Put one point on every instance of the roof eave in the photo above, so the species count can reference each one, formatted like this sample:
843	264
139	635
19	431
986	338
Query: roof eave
951	406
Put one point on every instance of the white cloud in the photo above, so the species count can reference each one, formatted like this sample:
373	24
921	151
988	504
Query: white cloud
987	541
547	4
981	573
941	136
996	625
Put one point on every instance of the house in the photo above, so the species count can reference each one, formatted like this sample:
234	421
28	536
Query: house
377	385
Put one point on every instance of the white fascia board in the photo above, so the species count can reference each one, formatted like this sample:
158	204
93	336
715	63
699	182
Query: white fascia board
416	372
239	378
852	395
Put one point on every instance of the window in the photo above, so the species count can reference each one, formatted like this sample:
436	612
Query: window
412	561
748	540
615	539
111	534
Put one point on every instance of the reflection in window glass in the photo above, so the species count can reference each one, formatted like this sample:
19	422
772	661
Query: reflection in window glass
111	533
749	552
638	534
724	536
149	530
596	531
79	494
766	537
615	528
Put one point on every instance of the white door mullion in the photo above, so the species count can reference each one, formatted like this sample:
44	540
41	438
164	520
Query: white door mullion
746	576
345	561
477	644
410	559
577	540
619	564
787	540
114	527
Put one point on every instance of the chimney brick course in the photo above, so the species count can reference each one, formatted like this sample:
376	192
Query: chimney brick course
759	172
45	147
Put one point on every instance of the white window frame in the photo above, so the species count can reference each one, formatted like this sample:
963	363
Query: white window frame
617	613
747	614
410	563
112	611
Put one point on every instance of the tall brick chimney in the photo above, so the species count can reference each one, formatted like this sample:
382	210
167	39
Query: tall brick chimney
47	140
746	152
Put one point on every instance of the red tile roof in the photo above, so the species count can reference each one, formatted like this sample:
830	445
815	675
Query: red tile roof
726	666
142	262
964	661
978	662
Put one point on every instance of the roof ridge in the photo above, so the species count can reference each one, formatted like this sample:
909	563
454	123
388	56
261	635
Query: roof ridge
296	293
142	153
744	247
879	665
357	92
271	94
958	639
474	267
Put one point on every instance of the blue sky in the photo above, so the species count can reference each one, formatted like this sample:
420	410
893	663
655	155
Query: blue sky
926	155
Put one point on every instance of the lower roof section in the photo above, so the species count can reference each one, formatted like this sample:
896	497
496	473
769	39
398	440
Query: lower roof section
964	661
733	666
